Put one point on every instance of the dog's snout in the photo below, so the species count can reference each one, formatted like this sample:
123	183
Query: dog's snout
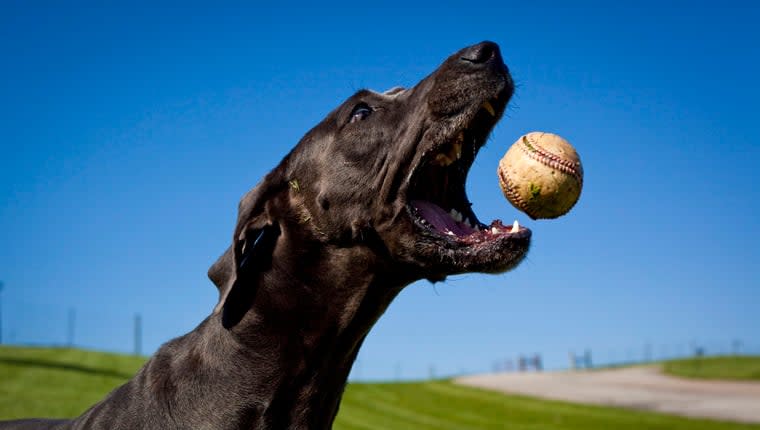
481	53
470	76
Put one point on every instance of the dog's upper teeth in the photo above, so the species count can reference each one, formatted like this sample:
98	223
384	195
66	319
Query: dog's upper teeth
456	151
489	108
467	222
443	160
453	154
515	227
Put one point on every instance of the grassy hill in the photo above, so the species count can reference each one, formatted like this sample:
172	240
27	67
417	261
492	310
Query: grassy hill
64	382
58	382
728	367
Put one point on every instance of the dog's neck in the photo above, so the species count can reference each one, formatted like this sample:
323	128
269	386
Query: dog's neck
284	365
309	317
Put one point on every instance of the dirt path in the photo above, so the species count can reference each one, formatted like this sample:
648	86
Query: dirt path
637	388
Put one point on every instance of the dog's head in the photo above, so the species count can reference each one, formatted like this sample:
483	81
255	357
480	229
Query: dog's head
388	171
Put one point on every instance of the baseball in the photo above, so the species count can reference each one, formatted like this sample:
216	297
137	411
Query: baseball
541	175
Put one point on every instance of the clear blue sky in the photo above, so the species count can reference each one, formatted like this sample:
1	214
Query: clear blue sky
130	133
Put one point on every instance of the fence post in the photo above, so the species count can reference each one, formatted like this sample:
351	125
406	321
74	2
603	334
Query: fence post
138	334
70	328
1	313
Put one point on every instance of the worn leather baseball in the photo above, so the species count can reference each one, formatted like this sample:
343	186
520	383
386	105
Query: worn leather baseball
541	174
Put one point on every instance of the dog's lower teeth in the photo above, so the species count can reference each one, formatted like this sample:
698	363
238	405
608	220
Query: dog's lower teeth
515	227
494	230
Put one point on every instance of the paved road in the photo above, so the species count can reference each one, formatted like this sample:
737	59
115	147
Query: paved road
637	388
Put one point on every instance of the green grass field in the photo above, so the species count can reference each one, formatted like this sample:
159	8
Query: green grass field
729	367
64	382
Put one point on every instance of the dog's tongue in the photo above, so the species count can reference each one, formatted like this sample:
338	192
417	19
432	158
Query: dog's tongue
440	219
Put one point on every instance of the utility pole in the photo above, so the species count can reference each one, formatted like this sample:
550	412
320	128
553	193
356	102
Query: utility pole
1	313
70	330
138	334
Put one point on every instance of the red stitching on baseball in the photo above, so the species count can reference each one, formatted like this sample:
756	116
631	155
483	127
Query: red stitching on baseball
536	152
511	192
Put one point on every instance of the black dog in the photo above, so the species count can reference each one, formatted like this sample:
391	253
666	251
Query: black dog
370	200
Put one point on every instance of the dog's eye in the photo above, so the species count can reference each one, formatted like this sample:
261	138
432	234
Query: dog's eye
360	112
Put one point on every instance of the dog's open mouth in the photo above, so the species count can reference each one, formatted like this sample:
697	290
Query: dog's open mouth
437	200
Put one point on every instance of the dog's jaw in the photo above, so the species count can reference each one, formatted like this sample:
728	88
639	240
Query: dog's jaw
464	100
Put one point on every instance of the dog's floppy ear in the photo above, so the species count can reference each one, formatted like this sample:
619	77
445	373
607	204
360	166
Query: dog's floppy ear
255	237
255	255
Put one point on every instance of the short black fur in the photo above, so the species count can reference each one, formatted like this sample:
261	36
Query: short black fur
321	247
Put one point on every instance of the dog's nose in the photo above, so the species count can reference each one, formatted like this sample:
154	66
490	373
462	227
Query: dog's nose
481	53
